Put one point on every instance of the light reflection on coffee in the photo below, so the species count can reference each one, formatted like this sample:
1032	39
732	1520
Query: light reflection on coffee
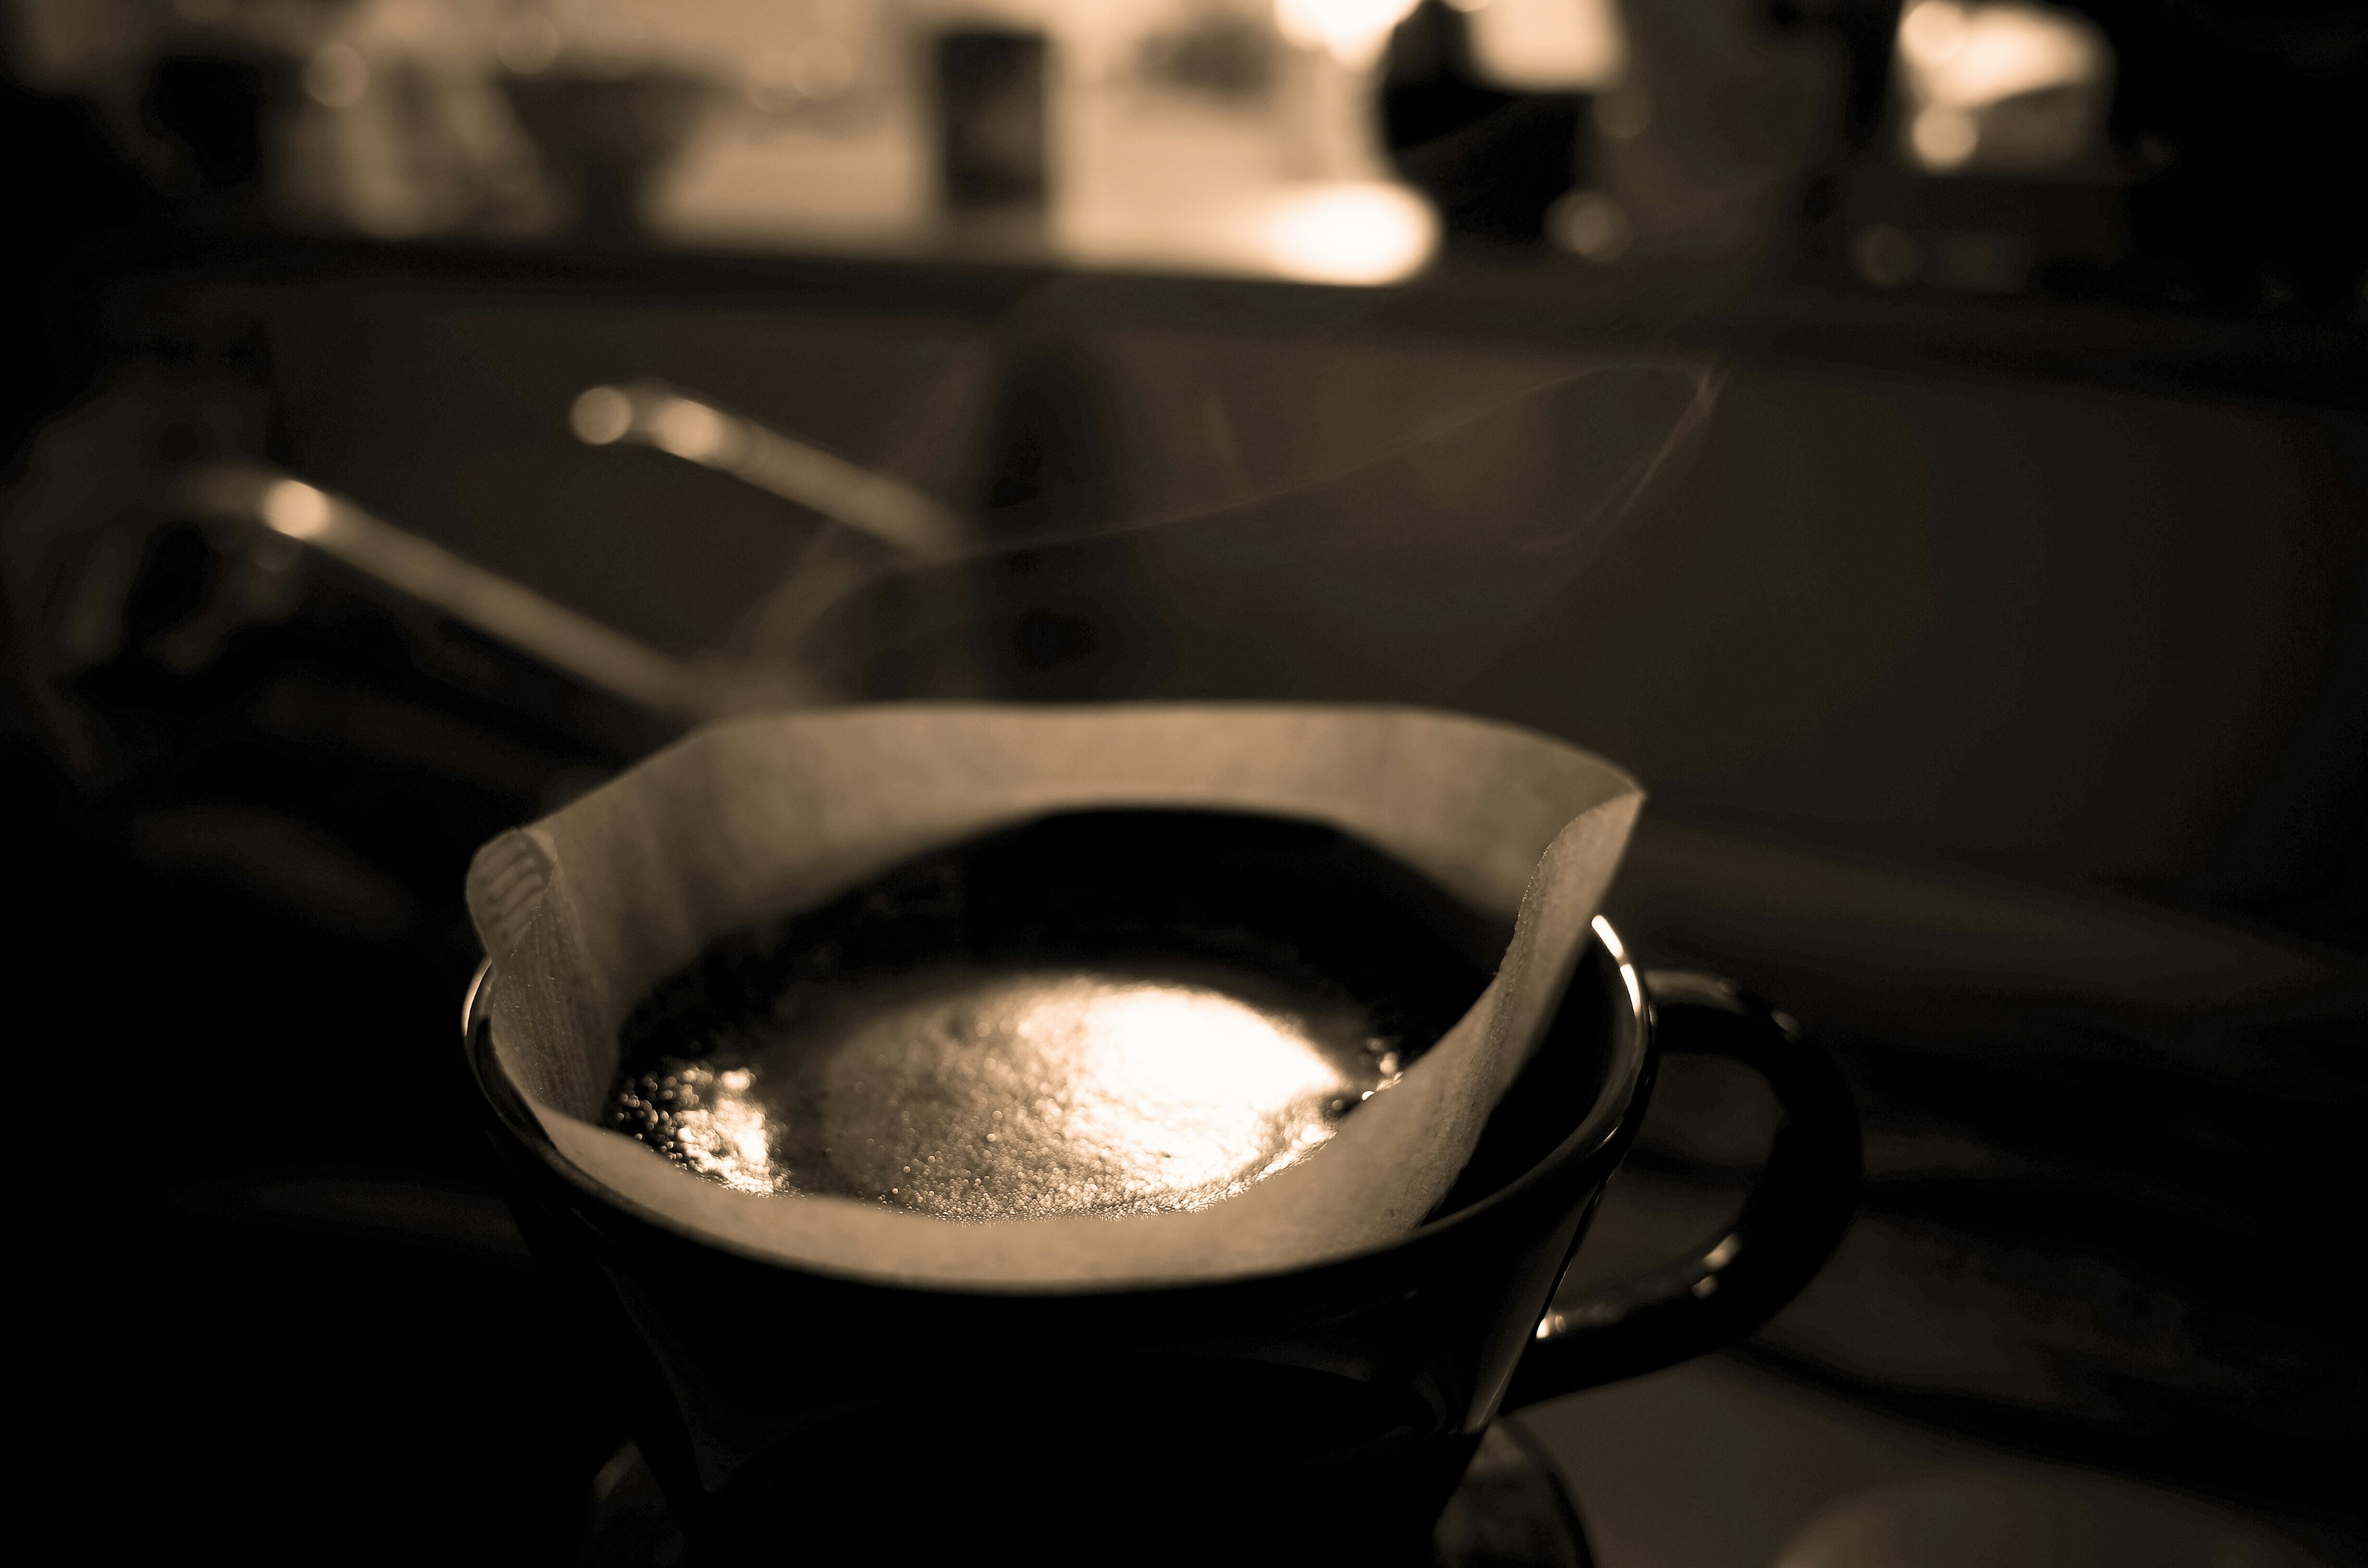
976	1092
1102	1012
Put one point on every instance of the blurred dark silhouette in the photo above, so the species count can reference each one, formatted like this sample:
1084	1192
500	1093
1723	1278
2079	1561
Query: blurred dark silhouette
215	110
993	146
605	137
1493	160
2228	121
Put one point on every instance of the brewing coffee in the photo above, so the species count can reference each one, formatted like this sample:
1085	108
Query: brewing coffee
1108	1012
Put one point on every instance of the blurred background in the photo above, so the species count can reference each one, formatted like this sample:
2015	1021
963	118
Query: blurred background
1924	443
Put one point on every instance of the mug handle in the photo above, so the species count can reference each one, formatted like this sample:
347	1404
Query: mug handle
1790	1226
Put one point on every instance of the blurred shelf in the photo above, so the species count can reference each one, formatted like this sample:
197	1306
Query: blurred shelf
2287	359
1543	299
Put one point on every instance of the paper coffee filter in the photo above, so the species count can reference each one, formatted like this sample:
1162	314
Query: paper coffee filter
749	821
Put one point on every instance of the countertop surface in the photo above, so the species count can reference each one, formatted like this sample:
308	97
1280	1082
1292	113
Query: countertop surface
1712	1465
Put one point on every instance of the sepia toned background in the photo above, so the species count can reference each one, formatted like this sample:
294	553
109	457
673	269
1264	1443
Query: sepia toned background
1923	444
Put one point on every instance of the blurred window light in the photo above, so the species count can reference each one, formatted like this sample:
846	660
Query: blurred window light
1356	232
1547	46
1350	232
1356	32
2007	89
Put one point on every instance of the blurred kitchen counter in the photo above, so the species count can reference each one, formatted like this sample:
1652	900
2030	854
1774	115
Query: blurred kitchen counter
1712	1465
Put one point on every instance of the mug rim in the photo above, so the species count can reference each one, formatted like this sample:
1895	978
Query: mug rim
1627	1054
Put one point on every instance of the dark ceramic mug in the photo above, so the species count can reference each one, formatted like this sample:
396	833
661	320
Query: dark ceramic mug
1322	1414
